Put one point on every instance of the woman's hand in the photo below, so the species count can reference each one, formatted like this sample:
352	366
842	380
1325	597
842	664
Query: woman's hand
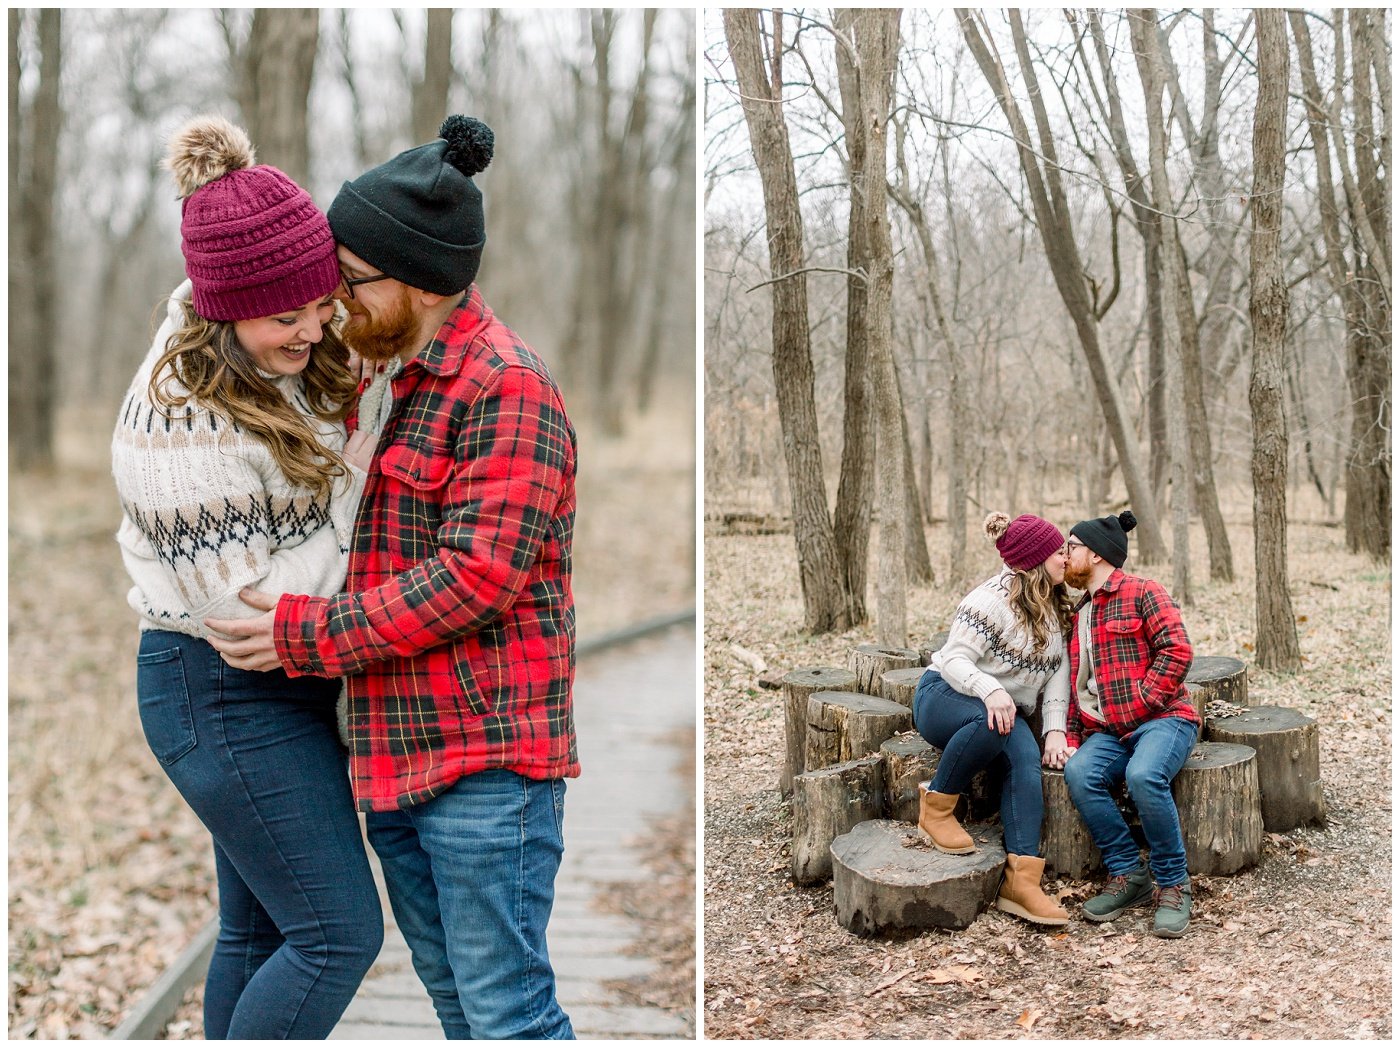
1001	711
1056	751
359	449
362	369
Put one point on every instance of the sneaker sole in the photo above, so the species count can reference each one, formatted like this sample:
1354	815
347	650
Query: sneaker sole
1103	918
1168	933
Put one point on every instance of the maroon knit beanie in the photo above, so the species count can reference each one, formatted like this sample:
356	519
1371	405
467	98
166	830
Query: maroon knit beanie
1024	542
254	242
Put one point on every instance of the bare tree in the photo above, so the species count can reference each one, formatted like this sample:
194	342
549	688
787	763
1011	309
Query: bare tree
1197	448
825	601
855	491
1055	225
1277	640
35	125
1365	298
429	90
272	70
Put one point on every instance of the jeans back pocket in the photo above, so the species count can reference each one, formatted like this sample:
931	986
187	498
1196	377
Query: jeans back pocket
164	700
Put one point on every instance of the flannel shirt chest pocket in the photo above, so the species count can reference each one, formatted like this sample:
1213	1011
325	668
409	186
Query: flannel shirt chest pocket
415	484
1127	644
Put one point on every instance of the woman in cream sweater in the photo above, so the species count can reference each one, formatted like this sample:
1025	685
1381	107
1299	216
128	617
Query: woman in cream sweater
1006	649
231	463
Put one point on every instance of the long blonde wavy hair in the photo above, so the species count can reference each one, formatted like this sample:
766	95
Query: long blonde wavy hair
1037	602
206	357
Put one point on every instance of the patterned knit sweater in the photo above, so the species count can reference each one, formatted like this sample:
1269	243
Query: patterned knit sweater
206	511
987	649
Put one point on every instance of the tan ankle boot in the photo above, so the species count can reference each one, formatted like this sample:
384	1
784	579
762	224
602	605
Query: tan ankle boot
937	824
1021	893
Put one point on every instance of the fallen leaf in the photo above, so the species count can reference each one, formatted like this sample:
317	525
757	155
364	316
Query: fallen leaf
1028	1018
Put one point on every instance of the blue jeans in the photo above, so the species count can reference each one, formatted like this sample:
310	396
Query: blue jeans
470	875
257	758
957	724
1148	760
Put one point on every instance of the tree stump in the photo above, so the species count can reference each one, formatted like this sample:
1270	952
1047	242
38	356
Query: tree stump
1220	677
1064	839
1198	693
825	804
797	686
899	685
844	725
886	879
869	661
1285	744
909	762
1217	797
934	644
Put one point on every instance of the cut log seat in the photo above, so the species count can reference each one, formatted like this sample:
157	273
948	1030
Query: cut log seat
899	685
825	804
844	725
1285	743
885	879
797	686
1220	677
1217	798
870	661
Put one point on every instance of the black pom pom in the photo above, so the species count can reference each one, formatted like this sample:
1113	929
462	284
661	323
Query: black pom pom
470	143
1127	520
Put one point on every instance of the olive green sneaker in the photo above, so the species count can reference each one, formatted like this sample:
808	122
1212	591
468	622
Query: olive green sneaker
1121	893
1173	911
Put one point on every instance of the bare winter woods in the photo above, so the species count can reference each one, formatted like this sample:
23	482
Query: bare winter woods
590	195
965	260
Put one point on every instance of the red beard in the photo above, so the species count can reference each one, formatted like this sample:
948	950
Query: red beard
1077	577
391	334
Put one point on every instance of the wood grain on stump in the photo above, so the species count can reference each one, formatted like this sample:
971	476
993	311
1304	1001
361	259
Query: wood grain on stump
869	661
1285	744
1064	839
825	804
885	878
844	725
909	761
899	685
1197	694
797	686
1217	798
935	643
1220	677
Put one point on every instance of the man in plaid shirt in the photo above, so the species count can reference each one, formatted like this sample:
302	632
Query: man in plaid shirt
1131	720
456	630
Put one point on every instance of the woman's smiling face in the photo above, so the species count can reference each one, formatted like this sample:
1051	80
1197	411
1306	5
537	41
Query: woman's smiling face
281	344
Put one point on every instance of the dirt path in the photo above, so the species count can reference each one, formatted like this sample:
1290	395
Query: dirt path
1298	947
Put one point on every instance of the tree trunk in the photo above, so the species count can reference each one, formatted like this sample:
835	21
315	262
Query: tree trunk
33	141
797	687
1177	291
276	67
825	600
429	101
825	804
1277	633
877	47
883	883
855	493
1287	757
1053	220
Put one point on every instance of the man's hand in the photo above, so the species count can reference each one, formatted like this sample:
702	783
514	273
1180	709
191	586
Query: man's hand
1056	752
252	647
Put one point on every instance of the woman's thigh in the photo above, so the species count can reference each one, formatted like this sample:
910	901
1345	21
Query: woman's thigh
940	711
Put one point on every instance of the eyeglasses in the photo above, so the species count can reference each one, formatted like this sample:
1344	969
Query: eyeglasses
351	283
1070	547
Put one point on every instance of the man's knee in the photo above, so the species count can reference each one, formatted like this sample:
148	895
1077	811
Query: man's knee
1146	778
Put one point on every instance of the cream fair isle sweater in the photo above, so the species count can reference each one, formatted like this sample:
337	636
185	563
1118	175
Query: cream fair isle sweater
206	511
987	649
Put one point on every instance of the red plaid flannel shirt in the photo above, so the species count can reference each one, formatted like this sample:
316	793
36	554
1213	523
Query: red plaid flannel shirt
456	630
1141	657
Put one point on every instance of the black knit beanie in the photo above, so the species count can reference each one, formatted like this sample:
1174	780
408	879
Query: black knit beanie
418	217
1107	536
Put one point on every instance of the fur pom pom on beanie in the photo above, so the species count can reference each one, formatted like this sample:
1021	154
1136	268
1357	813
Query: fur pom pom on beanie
254	242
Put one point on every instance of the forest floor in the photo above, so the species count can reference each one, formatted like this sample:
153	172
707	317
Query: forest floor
110	874
1297	947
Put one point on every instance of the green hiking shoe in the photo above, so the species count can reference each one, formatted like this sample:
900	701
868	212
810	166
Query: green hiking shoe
1173	911
1121	893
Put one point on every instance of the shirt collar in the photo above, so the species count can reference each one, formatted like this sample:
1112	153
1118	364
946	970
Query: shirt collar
447	351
